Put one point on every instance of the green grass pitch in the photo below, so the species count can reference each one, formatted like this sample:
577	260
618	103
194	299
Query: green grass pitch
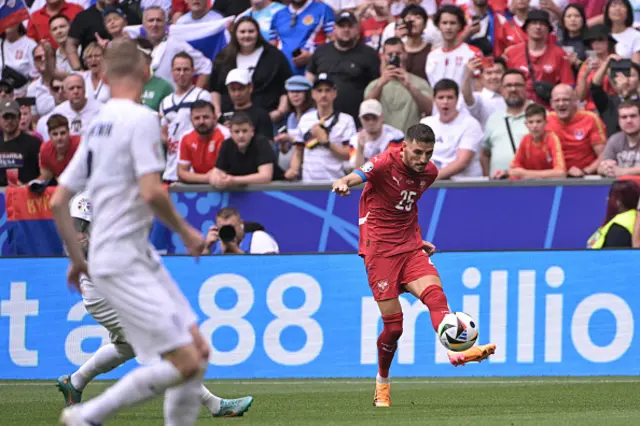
492	401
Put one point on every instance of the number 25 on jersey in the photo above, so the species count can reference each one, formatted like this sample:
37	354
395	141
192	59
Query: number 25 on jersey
406	203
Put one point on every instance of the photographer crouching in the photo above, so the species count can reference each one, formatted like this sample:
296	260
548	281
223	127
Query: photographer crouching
231	235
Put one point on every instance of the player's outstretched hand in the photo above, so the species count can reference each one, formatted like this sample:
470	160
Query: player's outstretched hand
428	248
341	188
193	241
73	275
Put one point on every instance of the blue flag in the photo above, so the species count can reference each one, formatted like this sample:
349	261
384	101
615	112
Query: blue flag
12	12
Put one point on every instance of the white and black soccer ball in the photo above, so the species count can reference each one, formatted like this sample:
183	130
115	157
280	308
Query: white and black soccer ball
458	331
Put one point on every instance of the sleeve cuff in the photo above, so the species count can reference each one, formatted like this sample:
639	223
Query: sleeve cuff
361	174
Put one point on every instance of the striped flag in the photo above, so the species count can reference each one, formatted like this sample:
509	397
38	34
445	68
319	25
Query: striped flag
207	37
12	12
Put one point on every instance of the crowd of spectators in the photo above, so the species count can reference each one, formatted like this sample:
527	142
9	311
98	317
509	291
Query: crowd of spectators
307	90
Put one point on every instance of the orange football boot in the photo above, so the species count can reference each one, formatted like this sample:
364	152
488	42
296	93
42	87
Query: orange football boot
476	353
382	397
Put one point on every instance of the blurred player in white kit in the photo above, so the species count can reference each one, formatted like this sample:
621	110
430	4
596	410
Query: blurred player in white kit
119	351
119	162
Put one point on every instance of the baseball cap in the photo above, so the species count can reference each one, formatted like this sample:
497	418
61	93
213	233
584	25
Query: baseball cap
346	16
109	10
80	207
297	83
537	15
9	107
239	76
323	78
370	107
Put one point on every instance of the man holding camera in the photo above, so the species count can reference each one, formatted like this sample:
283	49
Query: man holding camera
623	73
405	97
230	235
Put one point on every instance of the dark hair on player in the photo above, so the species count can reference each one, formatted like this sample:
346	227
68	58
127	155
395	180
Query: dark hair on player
446	84
420	133
200	104
227	212
535	109
628	22
629	104
513	71
59	16
240	118
416	10
57	120
452	10
183	55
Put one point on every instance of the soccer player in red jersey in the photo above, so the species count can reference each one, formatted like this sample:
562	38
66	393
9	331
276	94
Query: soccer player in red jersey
396	258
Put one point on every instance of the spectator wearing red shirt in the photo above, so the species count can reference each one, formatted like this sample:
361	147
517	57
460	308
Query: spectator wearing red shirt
593	9
582	133
539	154
371	28
547	60
199	148
485	28
516	16
38	28
56	154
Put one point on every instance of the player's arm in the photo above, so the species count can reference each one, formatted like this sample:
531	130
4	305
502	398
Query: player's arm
342	185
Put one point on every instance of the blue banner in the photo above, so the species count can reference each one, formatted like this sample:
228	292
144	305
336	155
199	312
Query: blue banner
550	313
303	221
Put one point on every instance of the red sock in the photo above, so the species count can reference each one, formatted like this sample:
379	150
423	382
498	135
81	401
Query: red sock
433	297
388	342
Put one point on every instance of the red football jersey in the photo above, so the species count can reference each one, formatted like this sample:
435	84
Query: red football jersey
388	212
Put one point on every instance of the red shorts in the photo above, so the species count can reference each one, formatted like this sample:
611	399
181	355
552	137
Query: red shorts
388	275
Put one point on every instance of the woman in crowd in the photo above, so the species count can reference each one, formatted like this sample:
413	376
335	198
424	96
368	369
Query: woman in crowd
618	17
602	44
17	58
268	66
93	57
617	227
299	98
573	27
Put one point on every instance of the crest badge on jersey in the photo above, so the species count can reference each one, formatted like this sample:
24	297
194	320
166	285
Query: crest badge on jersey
382	286
547	68
423	183
367	167
410	182
308	20
84	206
212	146
579	134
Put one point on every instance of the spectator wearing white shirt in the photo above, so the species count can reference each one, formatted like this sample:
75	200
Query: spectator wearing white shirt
322	139
618	17
59	29
17	53
375	136
458	135
489	100
48	96
198	12
93	57
39	88
154	21
449	60
77	108
175	111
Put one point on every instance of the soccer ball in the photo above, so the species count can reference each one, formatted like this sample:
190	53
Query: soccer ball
458	331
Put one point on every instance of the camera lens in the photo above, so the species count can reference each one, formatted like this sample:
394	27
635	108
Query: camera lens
227	233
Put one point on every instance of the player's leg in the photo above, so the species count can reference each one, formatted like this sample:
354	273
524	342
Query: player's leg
424	283
153	324
106	358
382	277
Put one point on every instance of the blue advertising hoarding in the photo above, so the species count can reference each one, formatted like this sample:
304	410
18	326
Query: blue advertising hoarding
316	220
550	313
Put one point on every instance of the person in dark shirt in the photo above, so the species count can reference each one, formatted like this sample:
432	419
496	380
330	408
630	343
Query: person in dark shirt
240	88
90	22
231	7
245	158
18	151
352	65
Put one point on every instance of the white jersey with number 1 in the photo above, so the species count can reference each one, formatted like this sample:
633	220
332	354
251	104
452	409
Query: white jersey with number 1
121	145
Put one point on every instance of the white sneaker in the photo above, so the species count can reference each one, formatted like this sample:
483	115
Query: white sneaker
71	417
